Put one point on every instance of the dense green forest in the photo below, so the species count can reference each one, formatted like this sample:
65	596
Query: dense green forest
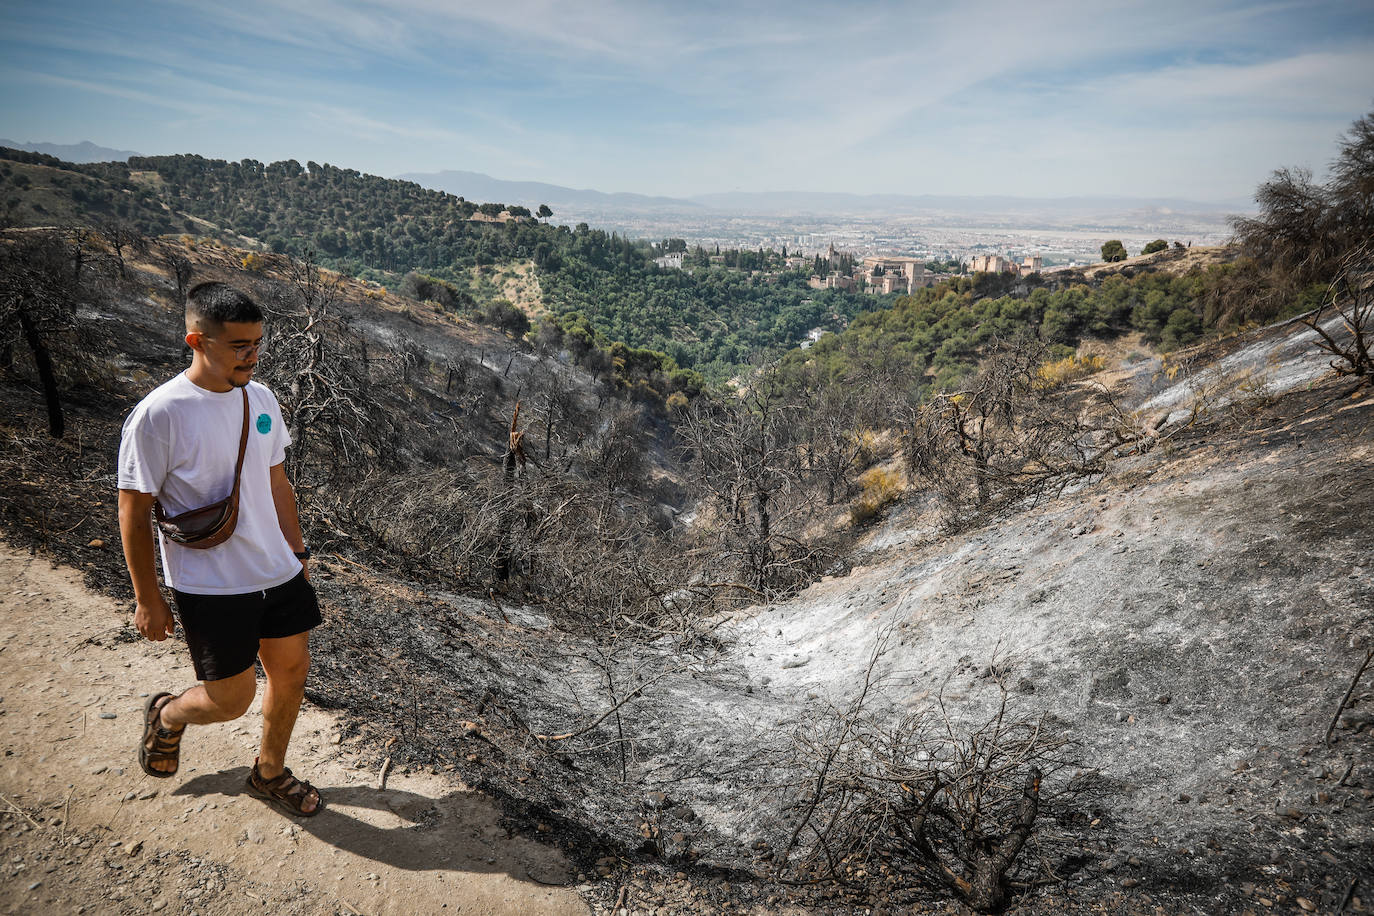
946	329
714	317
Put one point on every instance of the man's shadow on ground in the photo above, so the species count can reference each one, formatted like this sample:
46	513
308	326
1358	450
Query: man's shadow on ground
439	835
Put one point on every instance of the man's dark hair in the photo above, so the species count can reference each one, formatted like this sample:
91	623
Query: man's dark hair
216	304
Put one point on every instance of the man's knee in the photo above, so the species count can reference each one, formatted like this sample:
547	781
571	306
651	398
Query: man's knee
295	671
287	668
232	696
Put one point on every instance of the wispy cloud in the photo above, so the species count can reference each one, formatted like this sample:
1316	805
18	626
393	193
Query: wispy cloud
106	89
679	98
1335	81
365	127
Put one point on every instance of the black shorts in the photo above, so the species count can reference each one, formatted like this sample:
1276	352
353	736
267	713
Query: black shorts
222	631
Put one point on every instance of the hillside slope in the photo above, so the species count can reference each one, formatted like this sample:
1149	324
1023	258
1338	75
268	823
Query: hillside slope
1191	622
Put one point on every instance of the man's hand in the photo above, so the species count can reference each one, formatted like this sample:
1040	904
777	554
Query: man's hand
305	568
152	616
154	619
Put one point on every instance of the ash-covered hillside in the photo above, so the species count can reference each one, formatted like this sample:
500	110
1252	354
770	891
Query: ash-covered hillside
1190	623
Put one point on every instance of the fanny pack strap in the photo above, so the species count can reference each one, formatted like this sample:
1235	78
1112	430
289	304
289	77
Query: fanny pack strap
192	528
243	443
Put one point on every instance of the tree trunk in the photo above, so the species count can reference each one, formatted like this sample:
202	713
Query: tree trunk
989	887
548	430
505	548
765	553
57	426
77	261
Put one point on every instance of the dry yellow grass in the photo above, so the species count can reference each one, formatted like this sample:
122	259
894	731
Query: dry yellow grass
519	283
1070	368
879	487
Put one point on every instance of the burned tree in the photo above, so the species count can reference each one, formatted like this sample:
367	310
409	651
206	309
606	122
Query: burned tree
1350	298
38	294
119	236
835	418
512	463
179	269
321	369
962	438
1012	433
882	800
1306	232
80	239
614	453
746	454
557	398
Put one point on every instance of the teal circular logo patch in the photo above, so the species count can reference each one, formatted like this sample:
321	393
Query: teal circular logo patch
264	423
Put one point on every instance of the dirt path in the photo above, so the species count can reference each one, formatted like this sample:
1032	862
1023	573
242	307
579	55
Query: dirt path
82	829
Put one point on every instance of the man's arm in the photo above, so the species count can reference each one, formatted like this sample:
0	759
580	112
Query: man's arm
152	616
284	498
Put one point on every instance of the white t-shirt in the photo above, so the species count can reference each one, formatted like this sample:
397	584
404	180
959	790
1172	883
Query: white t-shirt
180	444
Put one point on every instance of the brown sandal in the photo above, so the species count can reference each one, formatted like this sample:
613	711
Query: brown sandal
159	743
286	791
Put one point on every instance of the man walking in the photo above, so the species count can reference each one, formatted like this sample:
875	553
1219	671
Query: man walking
209	433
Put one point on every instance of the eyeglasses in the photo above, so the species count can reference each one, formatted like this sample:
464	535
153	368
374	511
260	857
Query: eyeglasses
247	350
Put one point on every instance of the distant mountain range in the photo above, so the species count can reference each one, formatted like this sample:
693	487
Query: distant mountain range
85	151
478	187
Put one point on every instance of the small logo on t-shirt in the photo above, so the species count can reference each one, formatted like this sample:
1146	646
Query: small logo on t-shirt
264	423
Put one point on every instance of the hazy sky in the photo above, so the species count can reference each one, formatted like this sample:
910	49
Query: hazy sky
1192	99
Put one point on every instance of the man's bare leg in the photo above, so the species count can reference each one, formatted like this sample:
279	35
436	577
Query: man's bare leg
286	662
210	701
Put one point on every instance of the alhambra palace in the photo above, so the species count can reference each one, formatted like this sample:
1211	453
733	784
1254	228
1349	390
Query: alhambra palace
906	275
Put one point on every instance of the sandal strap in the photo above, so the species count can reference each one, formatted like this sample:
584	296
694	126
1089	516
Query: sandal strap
156	722
166	741
286	785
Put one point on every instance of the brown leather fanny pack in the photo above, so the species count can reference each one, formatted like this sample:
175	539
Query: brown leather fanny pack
208	526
